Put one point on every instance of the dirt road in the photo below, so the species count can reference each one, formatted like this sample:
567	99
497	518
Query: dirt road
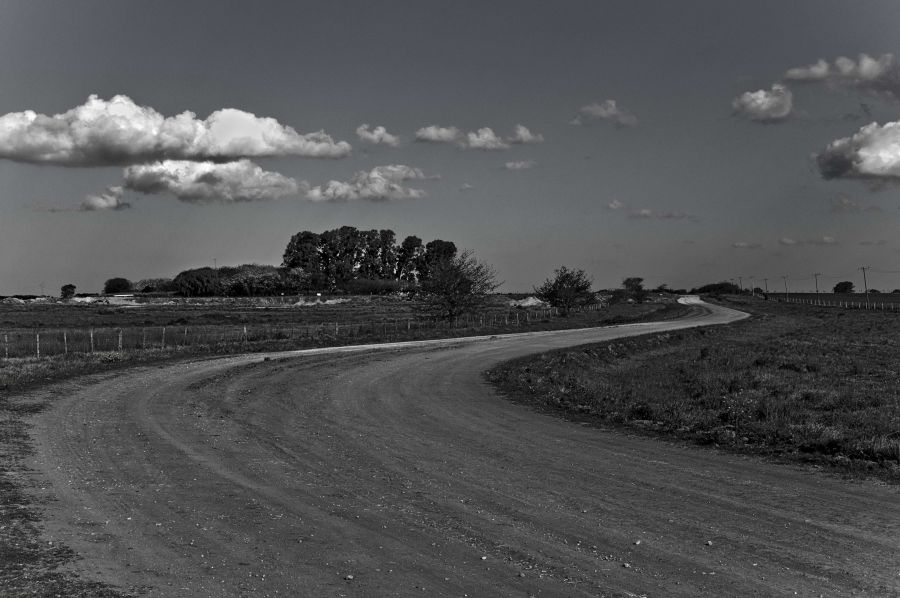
399	472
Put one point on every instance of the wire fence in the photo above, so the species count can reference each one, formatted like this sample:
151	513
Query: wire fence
40	343
870	304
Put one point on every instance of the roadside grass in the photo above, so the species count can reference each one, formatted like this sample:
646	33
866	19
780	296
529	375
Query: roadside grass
794	382
29	566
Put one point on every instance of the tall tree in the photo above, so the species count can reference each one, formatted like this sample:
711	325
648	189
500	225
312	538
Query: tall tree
116	285
303	252
408	257
634	288
436	251
844	287
566	289
67	291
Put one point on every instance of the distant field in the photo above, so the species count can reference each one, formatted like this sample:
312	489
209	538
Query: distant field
798	382
50	341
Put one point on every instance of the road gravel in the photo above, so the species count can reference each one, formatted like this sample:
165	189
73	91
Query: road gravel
398	471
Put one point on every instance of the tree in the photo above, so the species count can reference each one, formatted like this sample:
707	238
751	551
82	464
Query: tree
435	252
457	285
567	289
67	291
634	288
302	252
116	285
200	282
408	258
843	287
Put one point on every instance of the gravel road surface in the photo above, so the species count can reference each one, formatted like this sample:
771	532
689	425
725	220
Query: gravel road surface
399	472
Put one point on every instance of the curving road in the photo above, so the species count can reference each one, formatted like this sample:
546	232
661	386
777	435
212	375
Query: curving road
399	472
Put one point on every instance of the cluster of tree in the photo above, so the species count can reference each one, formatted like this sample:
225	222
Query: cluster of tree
332	259
717	288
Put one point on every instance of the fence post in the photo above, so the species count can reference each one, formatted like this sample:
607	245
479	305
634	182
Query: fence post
120	340
92	339
163	343
6	344
65	343
37	343
143	338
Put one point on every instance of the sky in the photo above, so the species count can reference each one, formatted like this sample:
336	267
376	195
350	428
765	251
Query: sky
683	142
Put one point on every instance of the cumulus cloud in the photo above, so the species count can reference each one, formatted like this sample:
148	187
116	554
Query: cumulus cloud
521	134
615	205
110	199
520	165
379	184
377	135
764	106
438	134
873	152
466	187
823	240
606	110
877	76
485	139
120	132
210	181
746	245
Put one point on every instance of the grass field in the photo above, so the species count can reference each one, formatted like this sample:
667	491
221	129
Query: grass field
795	382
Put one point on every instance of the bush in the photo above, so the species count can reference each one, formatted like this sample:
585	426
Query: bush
117	285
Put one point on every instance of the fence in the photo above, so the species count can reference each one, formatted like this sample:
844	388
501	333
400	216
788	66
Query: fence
871	304
39	343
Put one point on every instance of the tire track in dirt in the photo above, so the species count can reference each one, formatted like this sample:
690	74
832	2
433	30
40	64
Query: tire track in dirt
400	467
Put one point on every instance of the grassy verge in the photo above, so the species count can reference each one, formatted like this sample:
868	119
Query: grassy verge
794	382
30	566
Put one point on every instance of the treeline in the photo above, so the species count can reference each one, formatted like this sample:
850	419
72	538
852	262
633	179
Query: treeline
344	259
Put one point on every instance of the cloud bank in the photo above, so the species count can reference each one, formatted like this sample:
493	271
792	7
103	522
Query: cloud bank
765	106
877	76
823	240
377	135
210	181
872	153
483	139
746	245
120	132
382	183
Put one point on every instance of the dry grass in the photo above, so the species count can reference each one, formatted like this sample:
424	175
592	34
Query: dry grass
794	382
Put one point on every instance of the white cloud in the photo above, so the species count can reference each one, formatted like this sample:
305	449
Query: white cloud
877	76
823	240
520	165
119	132
466	187
485	139
607	110
110	199
377	135
522	134
438	134
765	106
746	245
615	205
872	153
210	181
648	214
380	183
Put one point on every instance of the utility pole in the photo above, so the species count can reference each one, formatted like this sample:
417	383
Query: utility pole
866	284
752	289
785	288
816	276
741	283
766	282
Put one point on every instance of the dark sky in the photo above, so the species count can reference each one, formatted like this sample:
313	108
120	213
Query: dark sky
643	157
